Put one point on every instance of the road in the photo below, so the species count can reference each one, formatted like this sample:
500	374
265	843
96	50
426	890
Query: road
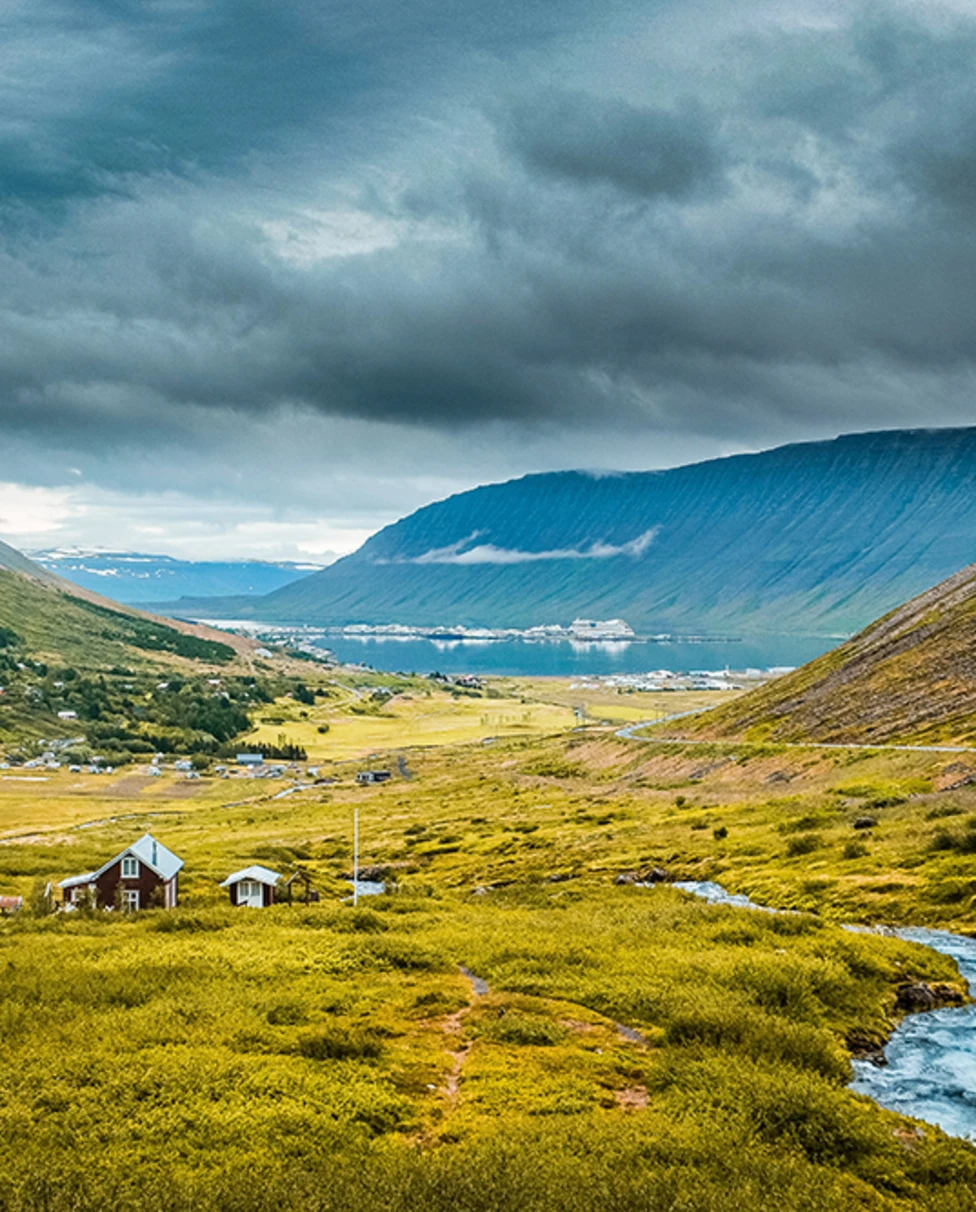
628	735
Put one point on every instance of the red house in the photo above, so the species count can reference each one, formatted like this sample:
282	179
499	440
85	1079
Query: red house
144	876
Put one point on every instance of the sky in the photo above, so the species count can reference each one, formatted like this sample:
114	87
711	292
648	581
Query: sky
273	275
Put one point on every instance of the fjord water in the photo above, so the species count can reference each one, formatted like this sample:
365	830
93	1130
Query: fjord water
523	658
931	1057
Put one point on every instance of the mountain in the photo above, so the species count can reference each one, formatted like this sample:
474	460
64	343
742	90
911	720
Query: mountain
910	677
140	579
814	538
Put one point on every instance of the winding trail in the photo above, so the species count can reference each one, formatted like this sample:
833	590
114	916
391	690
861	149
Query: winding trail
629	734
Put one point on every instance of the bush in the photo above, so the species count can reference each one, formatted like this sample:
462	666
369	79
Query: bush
286	1014
805	843
964	843
340	1043
525	1031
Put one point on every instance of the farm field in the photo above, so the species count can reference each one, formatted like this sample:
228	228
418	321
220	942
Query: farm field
359	724
406	720
630	1045
615	705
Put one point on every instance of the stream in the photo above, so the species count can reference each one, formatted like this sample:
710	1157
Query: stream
931	1069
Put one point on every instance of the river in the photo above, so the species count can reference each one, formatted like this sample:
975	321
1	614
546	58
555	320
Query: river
931	1069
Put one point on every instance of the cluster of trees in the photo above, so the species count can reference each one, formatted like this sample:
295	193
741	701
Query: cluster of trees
283	751
122	714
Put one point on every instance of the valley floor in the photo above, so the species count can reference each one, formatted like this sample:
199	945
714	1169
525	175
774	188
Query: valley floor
508	1025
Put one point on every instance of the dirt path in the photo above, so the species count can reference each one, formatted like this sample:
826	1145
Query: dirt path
453	1028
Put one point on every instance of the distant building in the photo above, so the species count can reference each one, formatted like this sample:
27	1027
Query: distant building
374	776
250	759
146	873
254	887
67	715
601	629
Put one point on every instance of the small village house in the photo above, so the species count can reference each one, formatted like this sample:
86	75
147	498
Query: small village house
143	876
373	776
254	887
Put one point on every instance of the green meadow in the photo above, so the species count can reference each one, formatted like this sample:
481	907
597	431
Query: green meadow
630	1047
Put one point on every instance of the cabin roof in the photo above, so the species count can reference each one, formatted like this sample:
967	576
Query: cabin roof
263	875
74	880
151	852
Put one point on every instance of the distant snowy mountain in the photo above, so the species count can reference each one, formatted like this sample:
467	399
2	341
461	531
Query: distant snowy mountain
139	579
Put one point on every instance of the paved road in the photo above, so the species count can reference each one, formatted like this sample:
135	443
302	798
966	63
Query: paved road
628	735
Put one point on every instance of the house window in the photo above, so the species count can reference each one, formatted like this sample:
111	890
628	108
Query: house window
132	899
130	868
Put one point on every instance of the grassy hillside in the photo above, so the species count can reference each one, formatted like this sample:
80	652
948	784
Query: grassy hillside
334	1058
910	678
817	538
55	625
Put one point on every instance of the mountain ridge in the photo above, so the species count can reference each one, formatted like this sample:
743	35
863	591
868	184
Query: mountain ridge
141	579
812	538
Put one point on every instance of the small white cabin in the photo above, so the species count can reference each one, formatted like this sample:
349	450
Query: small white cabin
252	887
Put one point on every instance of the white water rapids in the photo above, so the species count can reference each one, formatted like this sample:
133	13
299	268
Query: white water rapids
931	1057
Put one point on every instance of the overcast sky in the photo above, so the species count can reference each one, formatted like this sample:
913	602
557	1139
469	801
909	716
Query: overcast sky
274	274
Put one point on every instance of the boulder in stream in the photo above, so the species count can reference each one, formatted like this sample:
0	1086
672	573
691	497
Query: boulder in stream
917	996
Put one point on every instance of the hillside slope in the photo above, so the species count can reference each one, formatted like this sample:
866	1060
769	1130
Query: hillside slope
11	560
815	538
59	621
910	677
57	626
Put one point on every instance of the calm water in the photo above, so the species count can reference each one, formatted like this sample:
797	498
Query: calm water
931	1069
565	659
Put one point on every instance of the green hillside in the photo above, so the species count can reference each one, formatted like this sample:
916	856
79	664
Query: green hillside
54	625
910	677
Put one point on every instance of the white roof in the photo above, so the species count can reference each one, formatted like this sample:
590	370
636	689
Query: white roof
263	875
154	854
75	880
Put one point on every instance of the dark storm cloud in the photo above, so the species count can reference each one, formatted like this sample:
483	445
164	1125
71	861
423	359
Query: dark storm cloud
645	151
535	217
97	90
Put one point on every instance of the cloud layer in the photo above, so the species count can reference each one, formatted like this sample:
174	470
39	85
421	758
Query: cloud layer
340	260
487	553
